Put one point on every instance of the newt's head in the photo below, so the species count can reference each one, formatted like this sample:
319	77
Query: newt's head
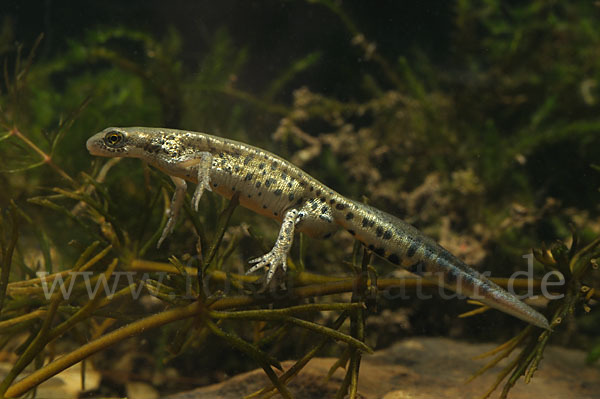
155	145
114	142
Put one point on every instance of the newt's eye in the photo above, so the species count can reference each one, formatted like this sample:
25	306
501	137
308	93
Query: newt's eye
114	139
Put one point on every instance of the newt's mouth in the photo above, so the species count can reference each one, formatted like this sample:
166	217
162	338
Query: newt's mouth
94	145
91	145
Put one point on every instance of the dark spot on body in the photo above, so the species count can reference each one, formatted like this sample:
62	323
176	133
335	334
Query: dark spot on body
340	207
268	182
332	201
371	247
387	235
277	192
379	231
284	175
314	206
274	166
248	159
324	209
264	206
311	188
291	197
379	251
275	213
318	192
221	155
451	276
215	184
237	168
248	177
259	193
349	216
258	184
412	249
261	165
327	235
153	148
365	222
352	232
418	268
322	199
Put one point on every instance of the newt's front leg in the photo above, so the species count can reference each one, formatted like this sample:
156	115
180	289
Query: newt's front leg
203	163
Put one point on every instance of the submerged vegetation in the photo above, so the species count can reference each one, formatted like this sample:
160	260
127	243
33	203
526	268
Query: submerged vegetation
490	147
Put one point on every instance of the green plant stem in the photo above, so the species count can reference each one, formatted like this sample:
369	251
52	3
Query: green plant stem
107	340
136	328
81	264
82	197
580	262
45	157
505	349
43	337
222	223
7	253
273	314
299	365
85	311
283	317
338	284
21	319
155	321
264	360
357	329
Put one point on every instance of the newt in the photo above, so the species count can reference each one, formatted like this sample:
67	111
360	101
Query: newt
271	186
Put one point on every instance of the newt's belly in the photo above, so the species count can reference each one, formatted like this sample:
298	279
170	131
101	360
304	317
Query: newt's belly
263	194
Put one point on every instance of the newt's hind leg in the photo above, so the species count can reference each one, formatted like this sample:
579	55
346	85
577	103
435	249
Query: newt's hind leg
277	257
173	211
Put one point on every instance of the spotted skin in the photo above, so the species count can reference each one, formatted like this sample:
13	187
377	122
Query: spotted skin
273	187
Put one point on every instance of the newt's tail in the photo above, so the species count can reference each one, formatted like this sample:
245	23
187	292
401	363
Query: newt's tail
457	276
404	245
